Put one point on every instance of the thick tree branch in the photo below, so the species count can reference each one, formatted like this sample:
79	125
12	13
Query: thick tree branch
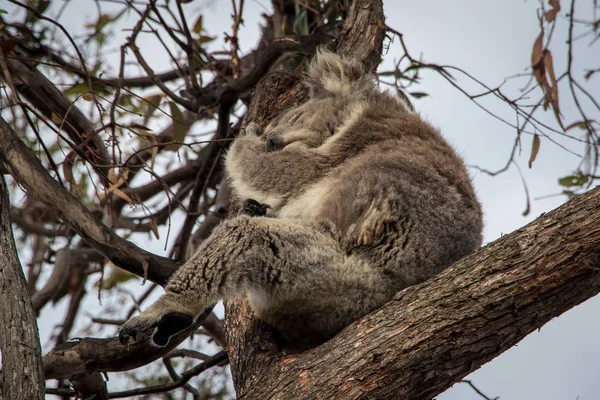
26	168
432	335
22	372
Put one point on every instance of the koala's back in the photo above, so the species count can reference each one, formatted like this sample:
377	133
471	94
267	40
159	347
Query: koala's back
404	201
383	182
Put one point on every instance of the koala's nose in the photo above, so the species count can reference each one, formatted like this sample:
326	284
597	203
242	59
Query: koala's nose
274	142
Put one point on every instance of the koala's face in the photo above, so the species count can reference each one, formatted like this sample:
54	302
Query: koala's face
310	125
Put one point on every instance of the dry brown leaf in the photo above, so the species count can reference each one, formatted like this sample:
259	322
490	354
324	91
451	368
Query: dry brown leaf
535	148
9	44
537	65
154	228
578	124
112	176
115	187
87	96
549	67
550	15
56	118
538	49
139	126
67	168
121	194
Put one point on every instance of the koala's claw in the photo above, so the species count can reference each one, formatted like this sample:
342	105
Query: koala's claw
253	208
160	331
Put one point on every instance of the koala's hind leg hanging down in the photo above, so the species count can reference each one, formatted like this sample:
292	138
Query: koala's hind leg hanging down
284	267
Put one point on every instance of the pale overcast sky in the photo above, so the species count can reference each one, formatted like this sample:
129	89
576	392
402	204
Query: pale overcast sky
491	40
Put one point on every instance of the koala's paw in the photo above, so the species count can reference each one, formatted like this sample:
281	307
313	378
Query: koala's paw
159	329
253	208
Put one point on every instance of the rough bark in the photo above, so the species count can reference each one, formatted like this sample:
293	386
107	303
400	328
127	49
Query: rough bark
22	370
432	335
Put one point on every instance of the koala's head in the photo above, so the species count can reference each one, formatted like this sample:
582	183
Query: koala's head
339	89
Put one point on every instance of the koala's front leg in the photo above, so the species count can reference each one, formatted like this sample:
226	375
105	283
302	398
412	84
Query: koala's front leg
257	254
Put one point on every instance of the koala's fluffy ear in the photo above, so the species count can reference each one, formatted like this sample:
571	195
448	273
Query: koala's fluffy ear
330	74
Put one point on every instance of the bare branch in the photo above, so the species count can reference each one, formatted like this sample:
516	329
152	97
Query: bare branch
107	355
44	96
217	359
27	170
476	390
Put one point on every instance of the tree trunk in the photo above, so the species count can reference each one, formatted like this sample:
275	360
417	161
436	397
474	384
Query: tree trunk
22	369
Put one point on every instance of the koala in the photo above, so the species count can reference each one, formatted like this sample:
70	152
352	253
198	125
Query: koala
350	198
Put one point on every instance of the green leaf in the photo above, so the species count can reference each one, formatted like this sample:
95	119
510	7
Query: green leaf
116	277
301	21
96	69
3	11
204	151
179	131
578	179
140	127
418	95
38	5
198	25
152	104
103	20
42	6
82	88
100	38
205	39
415	67
395	73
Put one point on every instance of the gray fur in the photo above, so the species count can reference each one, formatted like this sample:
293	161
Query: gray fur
366	199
